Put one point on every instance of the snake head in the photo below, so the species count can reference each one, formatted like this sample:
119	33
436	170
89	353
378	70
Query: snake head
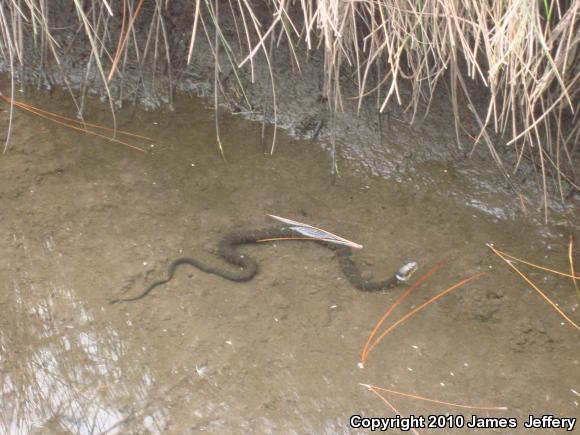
405	272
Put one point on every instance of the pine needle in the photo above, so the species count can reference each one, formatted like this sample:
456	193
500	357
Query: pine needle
439	402
422	306
366	349
535	287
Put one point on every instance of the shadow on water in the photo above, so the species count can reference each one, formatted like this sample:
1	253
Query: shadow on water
85	222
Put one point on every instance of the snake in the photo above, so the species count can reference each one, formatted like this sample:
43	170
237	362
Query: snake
247	267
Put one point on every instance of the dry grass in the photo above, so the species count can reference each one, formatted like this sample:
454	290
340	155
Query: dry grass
525	54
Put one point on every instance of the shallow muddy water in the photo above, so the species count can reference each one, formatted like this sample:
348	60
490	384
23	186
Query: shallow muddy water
85	221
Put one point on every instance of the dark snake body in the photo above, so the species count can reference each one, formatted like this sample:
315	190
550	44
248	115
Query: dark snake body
248	267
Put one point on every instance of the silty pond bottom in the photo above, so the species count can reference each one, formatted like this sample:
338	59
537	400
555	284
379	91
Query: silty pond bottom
85	221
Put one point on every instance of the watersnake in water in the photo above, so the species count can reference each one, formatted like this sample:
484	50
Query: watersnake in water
248	267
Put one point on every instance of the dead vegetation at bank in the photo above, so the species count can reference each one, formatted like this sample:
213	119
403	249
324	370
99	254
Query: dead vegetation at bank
524	55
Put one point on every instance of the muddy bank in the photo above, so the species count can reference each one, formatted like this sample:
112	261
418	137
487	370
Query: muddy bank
421	149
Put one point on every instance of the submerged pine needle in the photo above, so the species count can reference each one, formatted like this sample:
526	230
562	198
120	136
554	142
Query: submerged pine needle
439	402
54	119
423	306
386	402
537	266
535	287
367	347
571	260
31	108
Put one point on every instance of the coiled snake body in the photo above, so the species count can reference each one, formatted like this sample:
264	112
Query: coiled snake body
248	267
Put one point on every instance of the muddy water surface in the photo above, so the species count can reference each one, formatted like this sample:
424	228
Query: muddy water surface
85	221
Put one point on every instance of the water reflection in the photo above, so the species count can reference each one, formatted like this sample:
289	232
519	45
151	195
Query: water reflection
60	370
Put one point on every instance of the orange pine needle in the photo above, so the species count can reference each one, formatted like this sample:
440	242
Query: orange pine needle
422	306
110	139
571	259
505	254
541	293
33	109
121	37
439	402
124	41
83	130
366	350
373	390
